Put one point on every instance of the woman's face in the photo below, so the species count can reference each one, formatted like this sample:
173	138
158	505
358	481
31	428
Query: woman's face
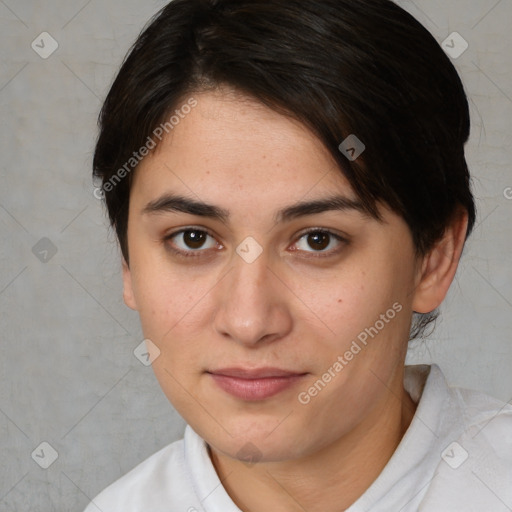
241	283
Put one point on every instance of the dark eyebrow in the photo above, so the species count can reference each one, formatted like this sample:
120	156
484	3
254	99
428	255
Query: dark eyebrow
338	203
176	203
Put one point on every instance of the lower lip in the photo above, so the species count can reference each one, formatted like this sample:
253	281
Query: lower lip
255	389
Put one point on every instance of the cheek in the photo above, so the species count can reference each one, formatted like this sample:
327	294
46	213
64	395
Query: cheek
356	298
162	296
175	311
345	301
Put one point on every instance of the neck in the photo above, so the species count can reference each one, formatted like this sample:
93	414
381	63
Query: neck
339	473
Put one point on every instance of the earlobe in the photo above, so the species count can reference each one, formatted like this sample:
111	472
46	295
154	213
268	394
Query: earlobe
128	295
439	266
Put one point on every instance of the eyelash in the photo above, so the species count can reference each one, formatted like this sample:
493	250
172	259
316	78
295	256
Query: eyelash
197	253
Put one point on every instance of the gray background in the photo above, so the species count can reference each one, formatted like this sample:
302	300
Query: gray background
68	373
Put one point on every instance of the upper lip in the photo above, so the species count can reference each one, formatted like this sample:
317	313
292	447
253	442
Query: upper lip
254	373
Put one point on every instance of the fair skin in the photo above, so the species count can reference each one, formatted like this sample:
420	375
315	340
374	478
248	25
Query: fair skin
298	306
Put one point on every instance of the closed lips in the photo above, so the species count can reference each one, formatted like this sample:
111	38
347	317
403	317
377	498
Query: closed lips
259	373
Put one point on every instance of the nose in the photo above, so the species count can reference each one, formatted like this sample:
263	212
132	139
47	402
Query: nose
251	304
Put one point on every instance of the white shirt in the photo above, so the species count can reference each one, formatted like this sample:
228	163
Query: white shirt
455	456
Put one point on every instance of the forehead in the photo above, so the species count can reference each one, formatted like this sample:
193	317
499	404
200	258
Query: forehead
231	142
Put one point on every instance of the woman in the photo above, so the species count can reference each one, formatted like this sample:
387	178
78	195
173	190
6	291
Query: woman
288	185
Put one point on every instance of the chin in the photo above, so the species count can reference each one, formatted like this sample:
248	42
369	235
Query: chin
258	441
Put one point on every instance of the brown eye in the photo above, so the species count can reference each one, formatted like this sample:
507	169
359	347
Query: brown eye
194	239
319	241
189	241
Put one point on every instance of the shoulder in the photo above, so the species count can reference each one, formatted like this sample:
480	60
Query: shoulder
485	422
476	420
458	409
475	464
161	482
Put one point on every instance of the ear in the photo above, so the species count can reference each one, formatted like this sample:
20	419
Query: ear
128	296
438	267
